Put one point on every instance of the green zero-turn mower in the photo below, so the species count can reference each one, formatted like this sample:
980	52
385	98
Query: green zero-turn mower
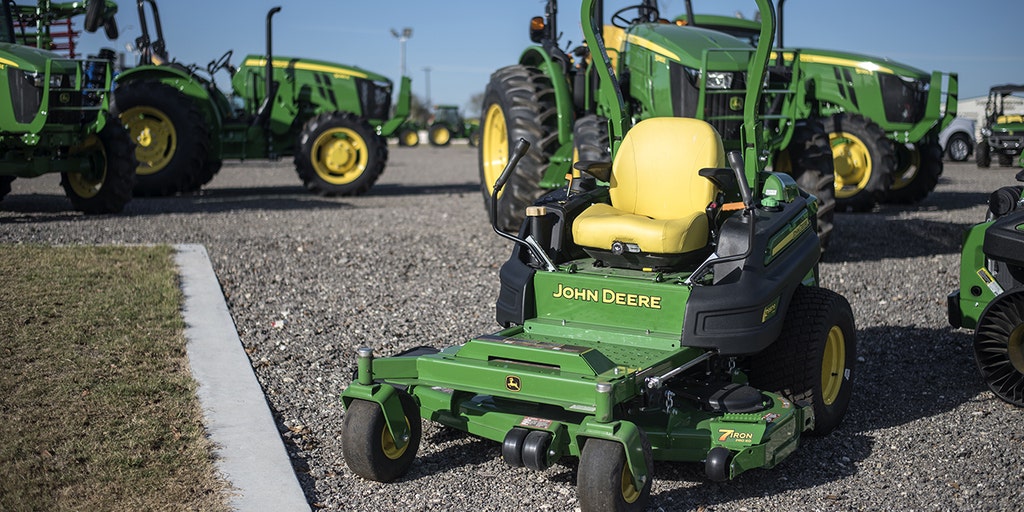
331	118
662	306
53	110
990	298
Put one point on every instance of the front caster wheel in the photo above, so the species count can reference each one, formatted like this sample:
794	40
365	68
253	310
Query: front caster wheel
604	481
716	466
370	450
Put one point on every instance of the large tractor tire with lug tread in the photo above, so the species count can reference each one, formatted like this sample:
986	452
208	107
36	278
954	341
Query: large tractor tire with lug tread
863	160
1005	160
590	139
958	147
982	155
519	102
107	187
813	359
999	346
808	159
171	138
5	185
439	135
604	481
339	154
368	446
408	138
918	167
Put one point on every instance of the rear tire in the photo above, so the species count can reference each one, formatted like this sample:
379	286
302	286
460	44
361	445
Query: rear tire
519	102
108	188
863	160
367	444
5	186
171	138
1005	160
982	155
439	135
999	346
408	138
604	482
813	359
917	172
808	159
958	147
590	138
339	154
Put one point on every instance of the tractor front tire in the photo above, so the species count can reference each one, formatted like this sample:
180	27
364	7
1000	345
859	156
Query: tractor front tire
808	159
982	155
339	154
863	159
519	102
408	138
368	445
439	135
812	361
107	188
604	481
171	138
917	172
590	139
999	346
5	186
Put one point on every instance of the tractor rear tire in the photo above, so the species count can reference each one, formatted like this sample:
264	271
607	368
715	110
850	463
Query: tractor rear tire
958	147
109	188
604	482
368	446
408	138
590	138
171	138
808	159
863	160
339	154
917	172
5	186
812	361
439	135
999	346
982	155
519	102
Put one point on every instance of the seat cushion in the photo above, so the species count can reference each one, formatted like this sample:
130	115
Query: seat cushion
600	225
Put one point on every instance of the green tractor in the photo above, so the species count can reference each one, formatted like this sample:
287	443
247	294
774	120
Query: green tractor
55	117
990	298
551	99
333	119
883	118
449	124
662	306
1003	132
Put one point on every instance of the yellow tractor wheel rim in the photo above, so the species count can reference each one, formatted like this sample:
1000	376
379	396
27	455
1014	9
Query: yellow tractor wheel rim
155	138
387	443
494	145
442	136
84	186
411	138
339	156
833	365
906	175
629	491
852	164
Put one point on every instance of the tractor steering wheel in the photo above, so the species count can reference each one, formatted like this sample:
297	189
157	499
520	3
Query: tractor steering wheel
644	13
223	62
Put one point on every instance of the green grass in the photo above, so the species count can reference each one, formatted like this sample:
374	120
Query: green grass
97	405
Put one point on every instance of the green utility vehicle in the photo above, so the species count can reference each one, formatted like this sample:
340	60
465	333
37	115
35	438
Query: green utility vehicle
55	117
883	117
1003	132
666	70
332	119
661	306
449	124
990	298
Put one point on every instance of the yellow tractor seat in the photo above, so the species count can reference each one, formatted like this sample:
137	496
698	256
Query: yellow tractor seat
658	199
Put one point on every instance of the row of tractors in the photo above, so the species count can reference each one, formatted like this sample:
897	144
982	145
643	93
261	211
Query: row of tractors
167	126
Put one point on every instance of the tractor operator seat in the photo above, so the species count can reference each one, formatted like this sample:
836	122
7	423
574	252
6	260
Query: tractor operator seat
658	200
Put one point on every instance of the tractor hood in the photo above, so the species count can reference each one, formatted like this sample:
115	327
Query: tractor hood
29	59
687	45
317	66
858	61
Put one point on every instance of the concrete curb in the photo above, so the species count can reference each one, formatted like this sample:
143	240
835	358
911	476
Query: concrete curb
250	452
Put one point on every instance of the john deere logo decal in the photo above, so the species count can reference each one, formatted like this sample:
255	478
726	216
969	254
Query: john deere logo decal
736	103
512	383
65	97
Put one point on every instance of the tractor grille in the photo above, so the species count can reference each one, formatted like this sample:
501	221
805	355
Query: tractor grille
723	108
904	101
374	98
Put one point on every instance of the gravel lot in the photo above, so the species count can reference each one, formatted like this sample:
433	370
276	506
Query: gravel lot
310	279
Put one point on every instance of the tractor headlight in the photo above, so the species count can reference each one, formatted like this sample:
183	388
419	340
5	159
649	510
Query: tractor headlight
719	80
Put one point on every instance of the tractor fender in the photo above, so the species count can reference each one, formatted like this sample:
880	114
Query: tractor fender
536	56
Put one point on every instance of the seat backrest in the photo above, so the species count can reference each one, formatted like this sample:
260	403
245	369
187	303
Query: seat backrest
654	173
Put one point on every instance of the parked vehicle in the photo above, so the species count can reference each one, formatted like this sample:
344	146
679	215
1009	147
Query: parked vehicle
957	140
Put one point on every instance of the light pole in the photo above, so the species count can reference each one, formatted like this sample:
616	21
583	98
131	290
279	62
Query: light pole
402	36
427	72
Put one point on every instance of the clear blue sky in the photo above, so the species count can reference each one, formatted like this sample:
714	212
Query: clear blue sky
463	41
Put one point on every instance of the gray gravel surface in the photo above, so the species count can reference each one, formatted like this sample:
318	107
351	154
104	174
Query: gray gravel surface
309	279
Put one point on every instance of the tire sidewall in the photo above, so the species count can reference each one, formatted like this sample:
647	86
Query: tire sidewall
374	145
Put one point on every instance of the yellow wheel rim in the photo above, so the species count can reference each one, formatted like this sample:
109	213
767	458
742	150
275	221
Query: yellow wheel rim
442	136
1015	348
852	164
629	491
387	443
339	156
88	186
411	138
494	145
907	174
155	138
833	365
